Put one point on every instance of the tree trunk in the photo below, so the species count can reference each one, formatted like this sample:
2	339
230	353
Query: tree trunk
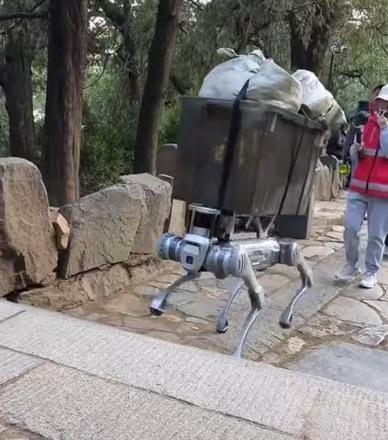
65	79
299	56
16	81
122	20
311	54
159	66
312	57
131	67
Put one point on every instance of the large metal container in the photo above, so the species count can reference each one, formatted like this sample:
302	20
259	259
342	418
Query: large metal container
274	159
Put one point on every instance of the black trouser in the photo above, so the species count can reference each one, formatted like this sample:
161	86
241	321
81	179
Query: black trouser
386	241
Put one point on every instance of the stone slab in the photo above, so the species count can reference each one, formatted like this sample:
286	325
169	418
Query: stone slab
383	276
339	236
317	252
323	290
348	363
371	335
381	306
348	309
7	310
361	294
320	326
13	365
206	300
17	433
277	399
271	282
60	403
338	228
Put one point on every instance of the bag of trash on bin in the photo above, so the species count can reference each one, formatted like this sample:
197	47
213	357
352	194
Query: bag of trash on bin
227	79
336	118
273	85
320	102
315	96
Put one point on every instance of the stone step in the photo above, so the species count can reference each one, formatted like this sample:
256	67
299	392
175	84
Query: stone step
98	382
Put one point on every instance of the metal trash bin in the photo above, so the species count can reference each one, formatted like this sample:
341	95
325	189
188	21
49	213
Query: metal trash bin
274	161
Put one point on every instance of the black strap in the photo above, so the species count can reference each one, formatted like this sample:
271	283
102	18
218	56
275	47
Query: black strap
290	175
234	131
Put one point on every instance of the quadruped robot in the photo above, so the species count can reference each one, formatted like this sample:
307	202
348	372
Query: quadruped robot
239	163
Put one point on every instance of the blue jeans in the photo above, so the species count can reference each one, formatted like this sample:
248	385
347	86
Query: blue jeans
377	209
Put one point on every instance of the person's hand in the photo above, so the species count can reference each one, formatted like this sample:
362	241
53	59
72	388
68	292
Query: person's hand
358	149
382	120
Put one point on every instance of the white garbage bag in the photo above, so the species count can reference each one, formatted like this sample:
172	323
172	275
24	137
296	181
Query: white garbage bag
315	96
227	79
336	118
226	53
273	85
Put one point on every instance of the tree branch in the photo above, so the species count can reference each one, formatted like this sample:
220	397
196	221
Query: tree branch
37	5
196	4
355	74
23	16
30	14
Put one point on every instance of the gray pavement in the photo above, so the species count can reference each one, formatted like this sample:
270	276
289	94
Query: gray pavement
64	378
145	377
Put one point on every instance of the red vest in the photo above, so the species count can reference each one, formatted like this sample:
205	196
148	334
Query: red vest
371	174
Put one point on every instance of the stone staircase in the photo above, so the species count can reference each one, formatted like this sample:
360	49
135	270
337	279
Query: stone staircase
63	378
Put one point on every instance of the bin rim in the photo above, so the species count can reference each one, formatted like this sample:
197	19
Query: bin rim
269	108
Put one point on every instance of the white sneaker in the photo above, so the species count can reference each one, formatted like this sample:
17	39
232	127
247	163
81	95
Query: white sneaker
348	273
369	281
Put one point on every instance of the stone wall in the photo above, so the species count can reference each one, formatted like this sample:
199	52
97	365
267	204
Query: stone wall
81	251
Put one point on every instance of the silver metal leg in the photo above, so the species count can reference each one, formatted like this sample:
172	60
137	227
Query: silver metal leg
286	317
253	315
159	303
223	323
306	275
256	297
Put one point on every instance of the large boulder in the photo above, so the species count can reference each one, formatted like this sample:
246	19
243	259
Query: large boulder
107	226
28	254
103	228
156	205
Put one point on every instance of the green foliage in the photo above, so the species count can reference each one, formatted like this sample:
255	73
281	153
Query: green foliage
110	118
364	64
170	124
109	132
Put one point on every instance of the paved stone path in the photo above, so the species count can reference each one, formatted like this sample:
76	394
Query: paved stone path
68	379
194	309
338	330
